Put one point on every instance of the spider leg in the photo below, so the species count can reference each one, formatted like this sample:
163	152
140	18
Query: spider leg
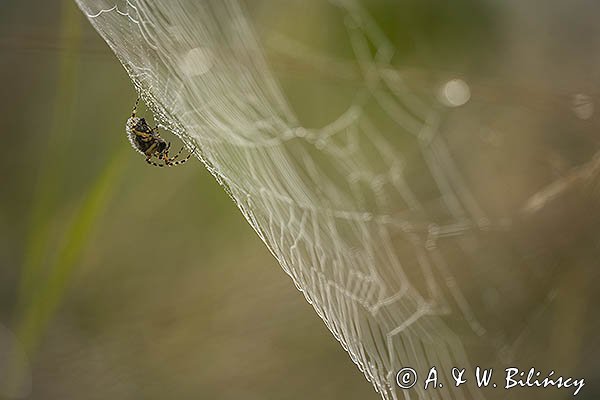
185	159
164	155
149	161
177	155
143	135
151	150
135	107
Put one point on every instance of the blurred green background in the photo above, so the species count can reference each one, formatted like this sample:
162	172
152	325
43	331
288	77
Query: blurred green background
125	281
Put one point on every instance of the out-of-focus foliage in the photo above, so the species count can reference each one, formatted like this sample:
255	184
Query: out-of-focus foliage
126	281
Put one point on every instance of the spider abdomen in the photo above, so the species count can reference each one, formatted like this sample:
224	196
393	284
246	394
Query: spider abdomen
144	139
147	141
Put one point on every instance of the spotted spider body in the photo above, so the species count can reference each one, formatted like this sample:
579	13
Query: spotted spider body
147	141
143	138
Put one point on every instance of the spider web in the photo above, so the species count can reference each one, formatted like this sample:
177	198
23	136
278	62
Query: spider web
371	215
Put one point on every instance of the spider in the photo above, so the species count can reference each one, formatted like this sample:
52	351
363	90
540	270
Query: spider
148	142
